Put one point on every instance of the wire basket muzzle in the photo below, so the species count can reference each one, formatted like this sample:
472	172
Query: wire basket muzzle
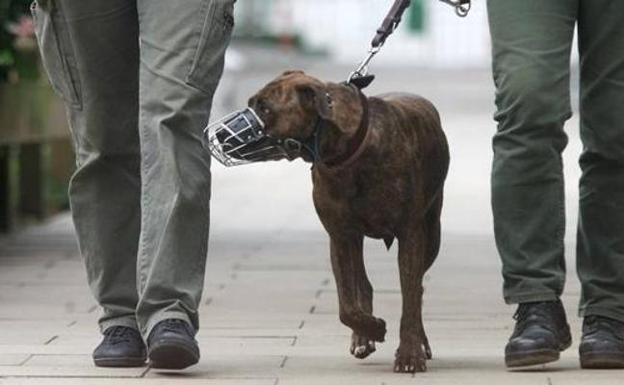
240	138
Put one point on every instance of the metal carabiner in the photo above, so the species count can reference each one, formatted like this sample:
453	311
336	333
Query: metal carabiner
362	69
390	24
462	7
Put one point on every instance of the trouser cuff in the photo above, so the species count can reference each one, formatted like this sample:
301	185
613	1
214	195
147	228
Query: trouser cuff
127	321
530	297
608	312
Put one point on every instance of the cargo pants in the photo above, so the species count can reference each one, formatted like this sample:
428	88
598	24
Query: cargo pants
138	78
532	40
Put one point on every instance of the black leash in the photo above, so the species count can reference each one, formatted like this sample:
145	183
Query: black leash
360	77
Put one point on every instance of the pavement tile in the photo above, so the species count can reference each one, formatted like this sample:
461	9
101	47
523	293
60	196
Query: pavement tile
21	336
12	359
50	349
166	380
51	311
66	366
220	366
68	371
246	321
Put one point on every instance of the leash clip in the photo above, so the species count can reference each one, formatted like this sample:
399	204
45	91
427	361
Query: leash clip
360	77
362	69
462	7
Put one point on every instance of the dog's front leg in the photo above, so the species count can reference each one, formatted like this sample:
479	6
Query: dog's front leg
410	356
344	251
362	346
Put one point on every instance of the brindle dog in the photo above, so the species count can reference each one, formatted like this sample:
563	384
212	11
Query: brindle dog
391	187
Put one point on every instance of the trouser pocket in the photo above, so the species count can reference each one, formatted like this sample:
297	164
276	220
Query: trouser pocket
214	38
56	51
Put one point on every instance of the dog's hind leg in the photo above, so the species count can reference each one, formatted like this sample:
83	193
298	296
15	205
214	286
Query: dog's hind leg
362	346
344	252
410	356
432	224
433	228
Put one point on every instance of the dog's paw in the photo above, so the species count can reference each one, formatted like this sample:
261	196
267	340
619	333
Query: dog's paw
376	331
361	347
365	325
410	361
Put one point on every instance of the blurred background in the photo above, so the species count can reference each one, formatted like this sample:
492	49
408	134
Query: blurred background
434	53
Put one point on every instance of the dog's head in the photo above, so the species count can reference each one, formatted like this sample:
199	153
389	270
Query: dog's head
292	104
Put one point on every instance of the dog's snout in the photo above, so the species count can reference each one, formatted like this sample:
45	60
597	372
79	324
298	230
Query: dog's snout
262	108
252	102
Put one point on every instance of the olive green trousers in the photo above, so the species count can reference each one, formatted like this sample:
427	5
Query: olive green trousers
532	40
138	77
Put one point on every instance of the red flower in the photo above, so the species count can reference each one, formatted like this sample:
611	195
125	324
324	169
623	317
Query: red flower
23	28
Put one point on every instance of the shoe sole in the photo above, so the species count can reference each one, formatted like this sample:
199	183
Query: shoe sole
125	362
535	357
602	361
168	354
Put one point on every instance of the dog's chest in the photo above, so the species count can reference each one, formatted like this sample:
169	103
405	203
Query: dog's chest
372	205
377	209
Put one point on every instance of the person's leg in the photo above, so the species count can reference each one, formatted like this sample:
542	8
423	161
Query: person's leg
91	53
600	240
531	42
182	51
600	252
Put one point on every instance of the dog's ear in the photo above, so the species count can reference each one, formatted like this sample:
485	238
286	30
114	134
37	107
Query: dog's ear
335	103
313	97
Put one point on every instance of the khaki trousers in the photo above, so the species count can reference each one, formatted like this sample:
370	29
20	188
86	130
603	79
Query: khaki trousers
138	77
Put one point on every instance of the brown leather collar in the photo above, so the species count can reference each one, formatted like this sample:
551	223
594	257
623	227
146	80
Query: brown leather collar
357	144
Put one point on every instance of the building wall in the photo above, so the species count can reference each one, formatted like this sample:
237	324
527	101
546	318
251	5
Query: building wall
345	28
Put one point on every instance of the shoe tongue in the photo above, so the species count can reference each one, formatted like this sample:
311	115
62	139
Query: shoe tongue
534	310
117	332
174	324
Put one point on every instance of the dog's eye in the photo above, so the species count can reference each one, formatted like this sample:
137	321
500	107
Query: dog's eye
263	109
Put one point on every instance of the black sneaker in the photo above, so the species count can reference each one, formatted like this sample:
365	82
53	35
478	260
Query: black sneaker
541	333
602	345
172	345
121	347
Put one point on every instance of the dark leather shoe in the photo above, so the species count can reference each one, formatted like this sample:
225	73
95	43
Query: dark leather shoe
541	333
602	345
172	345
121	347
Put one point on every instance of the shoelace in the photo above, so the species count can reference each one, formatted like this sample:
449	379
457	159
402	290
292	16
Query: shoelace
528	313
118	334
174	325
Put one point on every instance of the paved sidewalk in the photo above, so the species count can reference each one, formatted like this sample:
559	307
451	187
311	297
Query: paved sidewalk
269	316
269	313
